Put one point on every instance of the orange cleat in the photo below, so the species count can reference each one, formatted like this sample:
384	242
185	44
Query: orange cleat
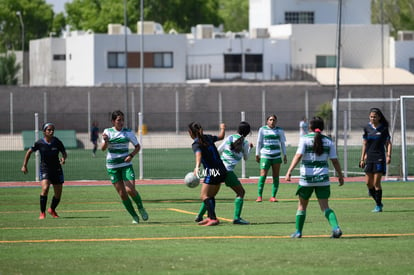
53	213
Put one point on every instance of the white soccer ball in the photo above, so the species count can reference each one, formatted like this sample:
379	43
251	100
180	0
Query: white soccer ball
191	180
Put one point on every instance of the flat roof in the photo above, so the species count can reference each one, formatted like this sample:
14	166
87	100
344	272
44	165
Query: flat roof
375	76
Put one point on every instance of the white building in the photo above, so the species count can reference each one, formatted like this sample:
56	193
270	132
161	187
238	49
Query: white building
288	40
99	59
266	13
48	62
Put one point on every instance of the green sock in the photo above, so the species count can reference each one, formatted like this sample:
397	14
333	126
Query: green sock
238	206
137	199
203	210
331	217
275	186
130	208
260	185
300	220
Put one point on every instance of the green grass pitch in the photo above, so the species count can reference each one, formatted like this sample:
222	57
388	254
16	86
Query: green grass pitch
94	234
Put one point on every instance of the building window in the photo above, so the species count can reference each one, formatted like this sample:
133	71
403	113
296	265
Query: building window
253	63
163	60
116	60
59	57
301	17
232	63
411	62
325	61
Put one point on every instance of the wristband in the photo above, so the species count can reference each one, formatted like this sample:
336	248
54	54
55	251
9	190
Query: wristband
131	155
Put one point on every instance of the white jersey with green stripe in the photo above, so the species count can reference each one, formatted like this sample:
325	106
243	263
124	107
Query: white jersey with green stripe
229	157
314	169
118	146
270	142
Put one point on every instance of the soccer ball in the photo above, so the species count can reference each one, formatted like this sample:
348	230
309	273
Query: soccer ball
191	181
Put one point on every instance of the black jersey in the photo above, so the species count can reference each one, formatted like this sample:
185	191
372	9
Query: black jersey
49	153
376	139
214	169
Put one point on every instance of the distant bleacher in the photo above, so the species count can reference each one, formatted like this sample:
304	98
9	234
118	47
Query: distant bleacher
68	137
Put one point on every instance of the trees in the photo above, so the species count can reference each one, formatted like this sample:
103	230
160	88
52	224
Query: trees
399	14
235	14
37	19
8	69
180	15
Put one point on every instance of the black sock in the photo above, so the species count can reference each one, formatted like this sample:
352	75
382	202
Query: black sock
373	194
54	203
378	197
211	206
43	202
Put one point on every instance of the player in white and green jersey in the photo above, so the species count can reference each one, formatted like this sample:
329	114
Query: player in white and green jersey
232	151
269	152
119	163
314	151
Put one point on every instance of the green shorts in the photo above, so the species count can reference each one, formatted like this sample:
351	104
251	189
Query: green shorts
231	179
122	173
265	164
322	192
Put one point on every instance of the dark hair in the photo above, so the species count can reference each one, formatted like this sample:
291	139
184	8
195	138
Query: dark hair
47	124
382	118
316	125
197	131
243	130
116	114
272	115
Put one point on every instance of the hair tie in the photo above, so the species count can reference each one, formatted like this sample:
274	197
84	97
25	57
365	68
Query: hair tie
317	130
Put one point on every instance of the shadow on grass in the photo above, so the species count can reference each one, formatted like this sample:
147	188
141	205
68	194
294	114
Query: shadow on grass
85	218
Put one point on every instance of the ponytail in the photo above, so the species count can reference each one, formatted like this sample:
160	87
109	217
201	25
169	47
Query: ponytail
197	131
243	130
317	126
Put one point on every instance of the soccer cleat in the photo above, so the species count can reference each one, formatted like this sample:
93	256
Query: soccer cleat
240	221
208	222
42	216
336	233
53	213
203	222
377	208
259	199
198	218
296	235
135	220
211	222
273	199
143	213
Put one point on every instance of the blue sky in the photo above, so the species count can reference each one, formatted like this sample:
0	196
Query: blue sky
58	5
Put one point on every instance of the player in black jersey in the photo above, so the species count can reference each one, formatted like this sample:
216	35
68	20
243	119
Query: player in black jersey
376	154
51	171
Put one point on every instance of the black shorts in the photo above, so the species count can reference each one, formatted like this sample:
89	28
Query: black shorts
375	167
215	179
55	177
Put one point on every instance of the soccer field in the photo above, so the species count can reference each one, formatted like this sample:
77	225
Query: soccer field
94	234
170	163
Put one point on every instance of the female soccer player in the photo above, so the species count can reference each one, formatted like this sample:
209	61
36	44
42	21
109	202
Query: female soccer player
232	150
119	165
51	171
376	154
214	170
314	150
270	147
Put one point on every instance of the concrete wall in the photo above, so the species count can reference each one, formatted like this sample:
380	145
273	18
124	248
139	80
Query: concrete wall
67	107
